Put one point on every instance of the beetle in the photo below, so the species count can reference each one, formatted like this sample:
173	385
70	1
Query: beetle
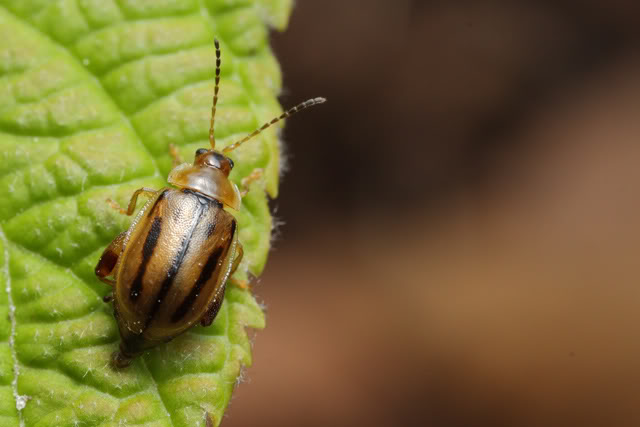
170	268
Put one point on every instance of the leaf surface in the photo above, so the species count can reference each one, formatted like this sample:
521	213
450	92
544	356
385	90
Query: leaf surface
92	92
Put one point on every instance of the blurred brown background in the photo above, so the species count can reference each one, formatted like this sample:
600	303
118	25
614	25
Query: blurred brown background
462	220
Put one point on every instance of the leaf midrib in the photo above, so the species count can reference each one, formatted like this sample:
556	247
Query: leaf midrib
12	320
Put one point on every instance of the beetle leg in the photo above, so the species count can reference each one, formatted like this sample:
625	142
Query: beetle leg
175	155
238	257
109	258
108	298
149	192
109	282
249	179
242	284
132	203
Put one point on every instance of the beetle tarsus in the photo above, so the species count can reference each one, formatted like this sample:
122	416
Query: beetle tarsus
108	298
116	206
242	284
175	155
255	175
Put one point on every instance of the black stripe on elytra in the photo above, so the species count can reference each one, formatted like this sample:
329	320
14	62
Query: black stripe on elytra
158	200
147	250
211	227
214	308
175	266
205	275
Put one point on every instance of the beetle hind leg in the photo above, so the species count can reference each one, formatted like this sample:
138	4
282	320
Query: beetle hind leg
242	284
109	259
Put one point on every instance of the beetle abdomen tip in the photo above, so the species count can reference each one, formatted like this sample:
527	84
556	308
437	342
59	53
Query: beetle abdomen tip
119	360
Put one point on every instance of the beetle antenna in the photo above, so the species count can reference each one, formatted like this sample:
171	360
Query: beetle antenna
212	138
306	104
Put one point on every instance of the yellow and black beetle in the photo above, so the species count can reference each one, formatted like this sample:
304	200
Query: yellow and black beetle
171	266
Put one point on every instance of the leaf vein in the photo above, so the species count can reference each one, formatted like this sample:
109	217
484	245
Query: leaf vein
18	399
45	259
93	187
156	389
156	54
123	115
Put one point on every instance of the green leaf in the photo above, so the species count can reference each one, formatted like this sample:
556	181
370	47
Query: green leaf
92	92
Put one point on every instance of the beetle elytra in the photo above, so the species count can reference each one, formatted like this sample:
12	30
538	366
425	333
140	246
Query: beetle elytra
170	268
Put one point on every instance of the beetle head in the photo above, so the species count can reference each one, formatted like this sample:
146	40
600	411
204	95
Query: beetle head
208	175
213	159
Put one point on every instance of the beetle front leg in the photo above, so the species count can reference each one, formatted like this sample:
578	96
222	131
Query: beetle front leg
109	258
134	199
175	155
255	175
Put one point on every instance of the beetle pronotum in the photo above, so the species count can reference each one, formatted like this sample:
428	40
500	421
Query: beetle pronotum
169	269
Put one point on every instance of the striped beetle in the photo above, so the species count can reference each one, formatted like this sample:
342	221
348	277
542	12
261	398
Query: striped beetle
169	269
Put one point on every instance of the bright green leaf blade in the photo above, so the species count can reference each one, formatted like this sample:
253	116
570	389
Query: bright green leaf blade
92	92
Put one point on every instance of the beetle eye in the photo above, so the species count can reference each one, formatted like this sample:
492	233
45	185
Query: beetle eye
230	163
201	151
